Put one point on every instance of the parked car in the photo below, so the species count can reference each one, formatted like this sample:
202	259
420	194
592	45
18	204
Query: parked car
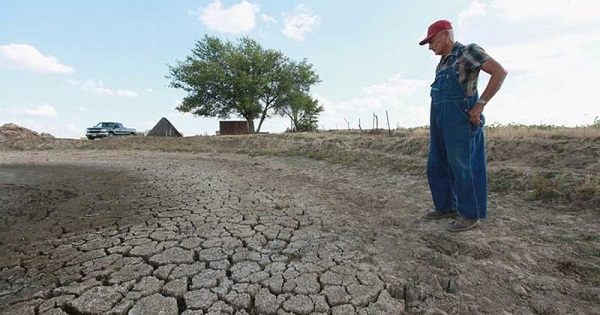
108	129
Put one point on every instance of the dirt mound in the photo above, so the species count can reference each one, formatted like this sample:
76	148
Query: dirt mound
12	131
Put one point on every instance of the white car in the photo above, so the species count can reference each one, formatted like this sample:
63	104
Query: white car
108	129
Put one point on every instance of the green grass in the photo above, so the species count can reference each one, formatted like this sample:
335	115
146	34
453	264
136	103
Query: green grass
544	187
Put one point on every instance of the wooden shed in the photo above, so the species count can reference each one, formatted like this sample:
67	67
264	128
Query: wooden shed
236	127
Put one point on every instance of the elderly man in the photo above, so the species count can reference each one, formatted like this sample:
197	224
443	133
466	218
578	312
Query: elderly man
456	168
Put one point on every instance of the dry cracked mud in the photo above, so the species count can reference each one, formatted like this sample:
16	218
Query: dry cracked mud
125	232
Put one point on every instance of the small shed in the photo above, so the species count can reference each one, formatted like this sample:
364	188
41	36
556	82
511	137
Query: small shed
164	128
236	127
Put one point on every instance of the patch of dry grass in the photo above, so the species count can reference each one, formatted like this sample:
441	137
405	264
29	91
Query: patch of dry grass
554	164
494	131
589	189
517	131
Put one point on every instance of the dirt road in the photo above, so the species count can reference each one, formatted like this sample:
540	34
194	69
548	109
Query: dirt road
109	232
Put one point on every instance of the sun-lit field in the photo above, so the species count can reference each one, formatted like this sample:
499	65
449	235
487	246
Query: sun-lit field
542	162
540	240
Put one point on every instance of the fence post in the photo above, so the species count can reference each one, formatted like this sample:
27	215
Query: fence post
388	122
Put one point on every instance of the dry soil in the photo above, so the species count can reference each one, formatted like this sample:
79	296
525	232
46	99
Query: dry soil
228	233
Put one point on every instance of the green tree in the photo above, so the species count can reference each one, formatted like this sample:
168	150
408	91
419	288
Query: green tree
302	110
223	78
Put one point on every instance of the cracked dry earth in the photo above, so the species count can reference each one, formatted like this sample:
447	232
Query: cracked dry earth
107	232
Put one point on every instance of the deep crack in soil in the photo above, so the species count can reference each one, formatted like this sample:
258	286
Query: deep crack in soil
129	207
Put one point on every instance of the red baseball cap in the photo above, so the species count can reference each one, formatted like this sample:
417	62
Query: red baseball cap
435	28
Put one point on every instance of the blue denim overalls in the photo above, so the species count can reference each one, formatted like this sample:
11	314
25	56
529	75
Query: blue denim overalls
456	168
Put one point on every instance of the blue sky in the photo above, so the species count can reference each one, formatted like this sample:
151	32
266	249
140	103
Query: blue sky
66	65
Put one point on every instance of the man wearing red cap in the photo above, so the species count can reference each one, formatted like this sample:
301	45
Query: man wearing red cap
456	168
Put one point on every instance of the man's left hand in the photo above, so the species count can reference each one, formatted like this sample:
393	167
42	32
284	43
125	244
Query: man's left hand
475	114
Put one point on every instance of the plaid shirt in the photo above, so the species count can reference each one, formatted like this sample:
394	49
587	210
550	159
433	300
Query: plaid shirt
469	59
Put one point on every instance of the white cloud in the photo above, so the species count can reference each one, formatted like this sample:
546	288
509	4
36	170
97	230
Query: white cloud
385	95
126	93
298	23
558	10
55	128
397	86
547	81
91	86
99	89
42	110
29	58
376	99
474	10
562	52
72	128
268	19
549	57
149	90
238	18
175	112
